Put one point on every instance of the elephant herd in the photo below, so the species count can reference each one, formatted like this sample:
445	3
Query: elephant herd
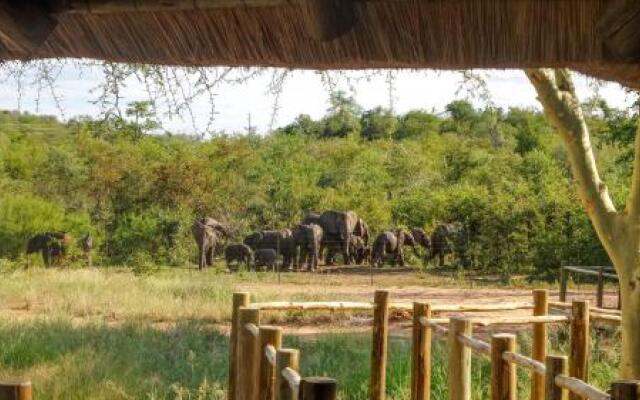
317	236
329	233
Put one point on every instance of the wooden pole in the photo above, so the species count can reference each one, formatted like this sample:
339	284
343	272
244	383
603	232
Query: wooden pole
539	348
15	390
625	390
579	342
503	373
248	347
421	354
600	290
459	360
318	388
377	384
240	299
269	335
555	365
286	358
563	284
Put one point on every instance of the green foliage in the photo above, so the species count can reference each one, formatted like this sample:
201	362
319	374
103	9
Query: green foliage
378	124
504	174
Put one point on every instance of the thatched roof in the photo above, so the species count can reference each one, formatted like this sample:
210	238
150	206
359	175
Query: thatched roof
598	37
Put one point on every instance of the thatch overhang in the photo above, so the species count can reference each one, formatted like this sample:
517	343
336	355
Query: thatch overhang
597	37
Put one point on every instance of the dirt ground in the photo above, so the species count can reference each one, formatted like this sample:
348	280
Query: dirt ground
405	286
162	300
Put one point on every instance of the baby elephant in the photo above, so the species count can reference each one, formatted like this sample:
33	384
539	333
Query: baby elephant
265	258
238	253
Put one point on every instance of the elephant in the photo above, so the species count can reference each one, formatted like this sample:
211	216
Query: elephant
337	227
391	243
208	234
361	229
358	250
52	245
281	241
265	258
308	239
423	239
449	238
239	253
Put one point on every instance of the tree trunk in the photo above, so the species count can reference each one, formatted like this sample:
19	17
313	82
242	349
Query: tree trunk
619	232
630	293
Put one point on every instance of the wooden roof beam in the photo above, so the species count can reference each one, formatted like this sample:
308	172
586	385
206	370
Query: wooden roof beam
25	25
620	29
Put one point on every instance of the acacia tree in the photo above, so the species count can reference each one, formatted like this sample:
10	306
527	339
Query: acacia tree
619	231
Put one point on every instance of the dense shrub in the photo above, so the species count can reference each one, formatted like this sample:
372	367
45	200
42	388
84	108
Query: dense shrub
504	174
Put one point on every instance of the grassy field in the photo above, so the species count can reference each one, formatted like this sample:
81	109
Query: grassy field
112	334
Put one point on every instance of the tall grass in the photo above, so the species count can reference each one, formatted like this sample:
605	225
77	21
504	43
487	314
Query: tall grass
189	361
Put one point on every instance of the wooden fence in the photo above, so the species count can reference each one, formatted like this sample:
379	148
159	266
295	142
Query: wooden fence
259	369
600	272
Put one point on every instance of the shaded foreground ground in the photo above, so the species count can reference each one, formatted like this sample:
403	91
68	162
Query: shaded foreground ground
109	334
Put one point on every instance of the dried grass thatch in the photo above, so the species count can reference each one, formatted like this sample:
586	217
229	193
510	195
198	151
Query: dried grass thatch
446	34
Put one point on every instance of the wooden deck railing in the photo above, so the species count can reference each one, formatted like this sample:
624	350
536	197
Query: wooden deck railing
552	377
601	272
260	368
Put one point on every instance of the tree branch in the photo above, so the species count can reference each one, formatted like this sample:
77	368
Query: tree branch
557	94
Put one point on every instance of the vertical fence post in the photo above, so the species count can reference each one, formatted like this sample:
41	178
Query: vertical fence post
421	354
600	290
286	358
503	374
564	276
555	365
539	349
377	384
240	299
625	390
579	342
269	335
318	388
15	390
459	360
247	379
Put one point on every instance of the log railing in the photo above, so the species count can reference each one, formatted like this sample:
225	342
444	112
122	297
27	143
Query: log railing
600	272
260	369
552	377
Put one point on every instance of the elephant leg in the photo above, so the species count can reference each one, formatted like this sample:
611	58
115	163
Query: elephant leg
400	258
345	253
441	256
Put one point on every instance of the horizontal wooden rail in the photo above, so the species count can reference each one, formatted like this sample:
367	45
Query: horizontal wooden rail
543	319
466	308
365	306
253	329
580	388
592	267
270	354
475	344
590	272
433	324
292	377
312	306
564	305
524	361
616	319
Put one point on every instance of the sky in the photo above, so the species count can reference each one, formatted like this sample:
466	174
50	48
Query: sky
302	92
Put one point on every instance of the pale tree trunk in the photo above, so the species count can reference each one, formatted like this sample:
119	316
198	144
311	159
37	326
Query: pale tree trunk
619	232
